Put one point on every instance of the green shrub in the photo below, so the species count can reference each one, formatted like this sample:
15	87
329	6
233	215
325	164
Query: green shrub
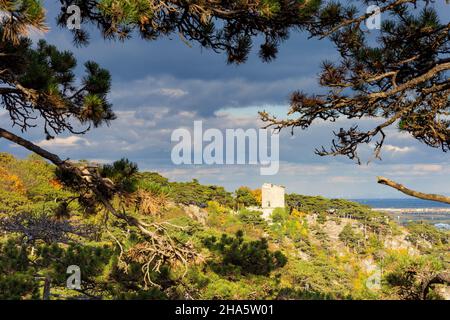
322	218
245	197
350	237
424	231
279	215
252	217
405	275
252	257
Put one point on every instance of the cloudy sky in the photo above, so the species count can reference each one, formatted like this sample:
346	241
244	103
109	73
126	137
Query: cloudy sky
164	85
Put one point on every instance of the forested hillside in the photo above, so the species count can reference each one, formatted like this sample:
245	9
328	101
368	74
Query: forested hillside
316	248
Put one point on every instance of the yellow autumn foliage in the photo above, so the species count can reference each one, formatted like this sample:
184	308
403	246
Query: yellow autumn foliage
258	196
11	182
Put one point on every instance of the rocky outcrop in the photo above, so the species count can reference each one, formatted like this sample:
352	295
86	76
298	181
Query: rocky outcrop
196	213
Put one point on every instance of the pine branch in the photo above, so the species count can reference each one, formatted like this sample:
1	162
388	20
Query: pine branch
416	194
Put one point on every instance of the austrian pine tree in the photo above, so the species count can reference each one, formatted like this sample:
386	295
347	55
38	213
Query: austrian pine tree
223	26
38	86
397	74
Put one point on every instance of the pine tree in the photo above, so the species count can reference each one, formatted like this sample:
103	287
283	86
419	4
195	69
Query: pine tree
223	26
400	77
38	86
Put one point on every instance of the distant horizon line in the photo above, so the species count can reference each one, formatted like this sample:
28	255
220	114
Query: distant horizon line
403	198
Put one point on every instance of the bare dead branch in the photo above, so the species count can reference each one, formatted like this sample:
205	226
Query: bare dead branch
416	194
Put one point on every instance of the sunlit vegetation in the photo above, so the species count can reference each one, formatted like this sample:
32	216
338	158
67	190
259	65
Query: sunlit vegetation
316	248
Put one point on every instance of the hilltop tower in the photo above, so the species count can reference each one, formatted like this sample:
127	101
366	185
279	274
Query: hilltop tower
272	197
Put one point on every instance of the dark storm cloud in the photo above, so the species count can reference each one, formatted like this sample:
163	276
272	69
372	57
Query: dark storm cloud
136	59
164	85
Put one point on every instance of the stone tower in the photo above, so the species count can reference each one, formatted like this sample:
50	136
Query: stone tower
272	197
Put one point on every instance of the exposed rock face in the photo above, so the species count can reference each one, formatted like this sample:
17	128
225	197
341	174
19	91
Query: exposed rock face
400	242
196	213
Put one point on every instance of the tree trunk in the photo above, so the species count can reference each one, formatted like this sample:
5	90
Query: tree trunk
47	286
442	278
31	146
416	194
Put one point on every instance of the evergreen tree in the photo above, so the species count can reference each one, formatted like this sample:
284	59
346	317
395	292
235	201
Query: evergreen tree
223	26
400	77
38	85
249	256
245	197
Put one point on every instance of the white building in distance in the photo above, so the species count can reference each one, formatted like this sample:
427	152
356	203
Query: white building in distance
272	197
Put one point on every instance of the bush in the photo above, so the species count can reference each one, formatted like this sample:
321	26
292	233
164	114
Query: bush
322	218
196	194
406	275
252	257
252	217
245	197
220	217
350	237
279	215
424	231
